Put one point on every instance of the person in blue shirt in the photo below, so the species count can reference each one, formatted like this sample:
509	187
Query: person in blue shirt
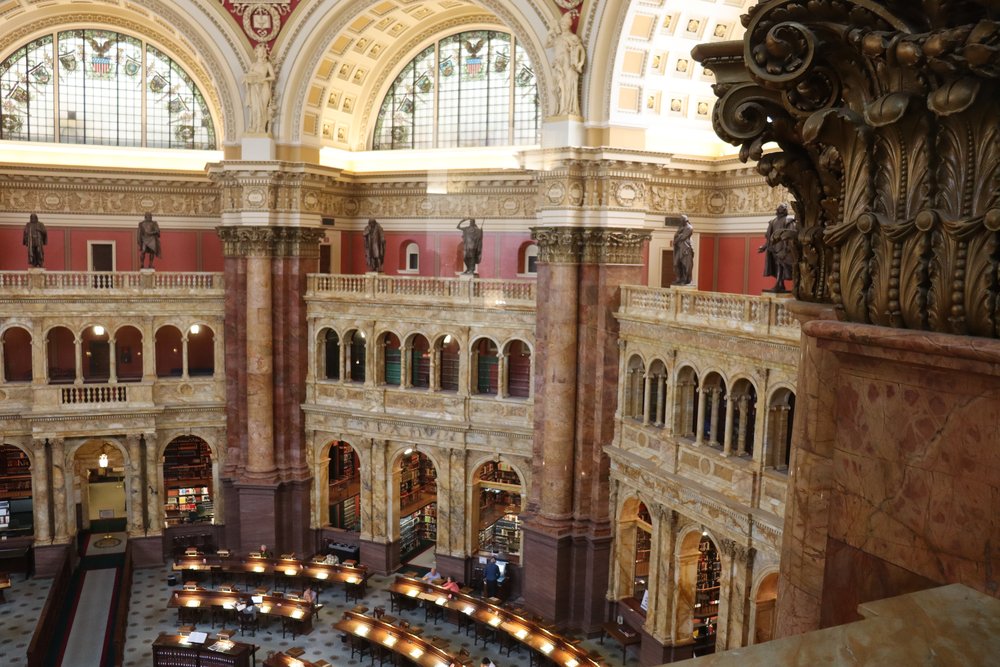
492	577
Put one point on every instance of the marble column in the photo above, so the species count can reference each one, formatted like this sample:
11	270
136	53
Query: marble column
662	598
41	500
260	391
715	393
699	427
78	359
133	486
741	425
184	356
647	392
61	491
154	487
113	365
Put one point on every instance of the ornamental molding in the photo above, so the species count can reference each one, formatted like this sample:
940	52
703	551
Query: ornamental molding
263	241
575	245
885	115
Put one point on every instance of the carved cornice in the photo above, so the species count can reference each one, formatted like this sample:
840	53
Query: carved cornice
885	113
575	245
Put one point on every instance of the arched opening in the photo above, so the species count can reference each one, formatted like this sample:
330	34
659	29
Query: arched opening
780	416
100	476
61	352
392	360
657	407
357	352
16	510
16	344
706	595
128	350
187	481
764	603
417	479
344	476
201	351
498	494
411	258
643	543
744	417
633	539
449	366
713	426
96	348
169	352
486	364
686	397
329	363
635	388
518	369
420	362
527	262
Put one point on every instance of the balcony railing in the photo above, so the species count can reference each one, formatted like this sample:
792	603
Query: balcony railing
109	282
102	394
762	315
474	291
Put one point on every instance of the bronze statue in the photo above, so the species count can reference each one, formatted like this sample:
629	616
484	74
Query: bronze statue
35	238
779	244
149	240
472	245
683	252
374	246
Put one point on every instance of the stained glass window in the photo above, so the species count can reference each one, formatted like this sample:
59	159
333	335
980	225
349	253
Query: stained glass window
476	88
112	89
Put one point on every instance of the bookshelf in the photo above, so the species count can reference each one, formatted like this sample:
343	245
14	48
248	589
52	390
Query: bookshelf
187	479
418	499
345	487
643	544
706	595
417	530
15	473
417	479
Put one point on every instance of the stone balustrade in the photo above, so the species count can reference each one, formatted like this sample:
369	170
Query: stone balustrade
107	283
764	316
518	294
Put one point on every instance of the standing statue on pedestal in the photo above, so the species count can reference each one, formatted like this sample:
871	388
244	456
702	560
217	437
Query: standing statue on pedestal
683	252
374	246
149	240
472	245
35	237
568	64
779	244
259	80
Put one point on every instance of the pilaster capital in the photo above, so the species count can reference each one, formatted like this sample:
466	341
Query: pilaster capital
266	241
575	245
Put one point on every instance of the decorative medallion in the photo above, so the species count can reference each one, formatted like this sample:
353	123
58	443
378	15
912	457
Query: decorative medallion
556	194
261	19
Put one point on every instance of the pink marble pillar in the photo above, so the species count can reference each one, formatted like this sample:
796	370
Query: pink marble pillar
260	391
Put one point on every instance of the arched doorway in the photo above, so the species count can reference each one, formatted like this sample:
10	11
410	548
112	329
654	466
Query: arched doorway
187	482
496	510
344	476
634	538
100	475
417	483
764	601
699	574
16	509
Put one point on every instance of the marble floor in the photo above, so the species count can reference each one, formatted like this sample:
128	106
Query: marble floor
25	599
150	616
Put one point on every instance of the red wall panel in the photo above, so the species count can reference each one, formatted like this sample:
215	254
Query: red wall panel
706	262
756	280
178	250
211	252
732	261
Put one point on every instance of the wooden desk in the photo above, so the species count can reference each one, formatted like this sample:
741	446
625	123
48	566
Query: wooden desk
174	651
282	660
536	637
622	634
293	612
355	575
17	559
410	646
4	584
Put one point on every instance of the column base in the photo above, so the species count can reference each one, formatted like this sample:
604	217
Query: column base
49	558
256	505
380	557
147	551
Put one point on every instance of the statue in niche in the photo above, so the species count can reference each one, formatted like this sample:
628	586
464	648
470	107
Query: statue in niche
779	244
259	80
683	252
472	245
149	240
35	238
374	246
568	64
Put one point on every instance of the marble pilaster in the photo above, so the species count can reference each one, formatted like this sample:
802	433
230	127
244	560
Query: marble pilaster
260	462
61	491
133	486
155	490
458	484
41	499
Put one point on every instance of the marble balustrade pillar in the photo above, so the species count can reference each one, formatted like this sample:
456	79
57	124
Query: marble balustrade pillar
41	499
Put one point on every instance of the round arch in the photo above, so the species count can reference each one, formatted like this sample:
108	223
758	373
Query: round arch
215	63
314	33
189	467
79	457
412	498
18	477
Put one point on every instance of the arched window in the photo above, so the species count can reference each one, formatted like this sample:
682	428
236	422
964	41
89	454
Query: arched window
169	352
331	356
357	351
529	265
449	364
16	344
392	369
475	88
111	89
201	350
420	362
486	365
518	369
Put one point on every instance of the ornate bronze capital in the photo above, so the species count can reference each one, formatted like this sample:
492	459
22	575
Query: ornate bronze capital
575	245
270	241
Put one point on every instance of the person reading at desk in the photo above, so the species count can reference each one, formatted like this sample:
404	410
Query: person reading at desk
432	575
264	553
309	595
451	585
331	559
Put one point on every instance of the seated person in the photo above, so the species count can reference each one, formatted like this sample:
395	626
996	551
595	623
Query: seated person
309	595
451	585
331	559
432	574
264	553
